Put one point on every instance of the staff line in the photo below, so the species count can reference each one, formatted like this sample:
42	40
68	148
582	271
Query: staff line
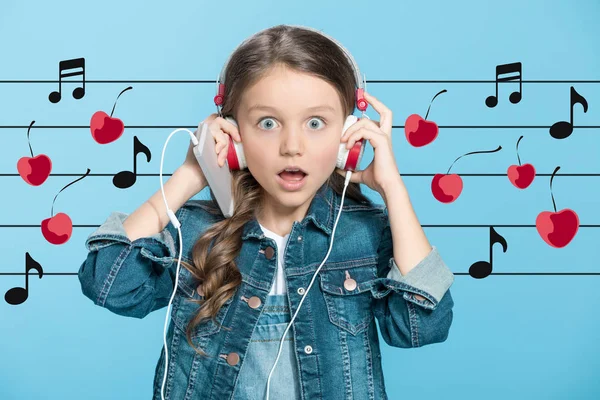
367	81
393	126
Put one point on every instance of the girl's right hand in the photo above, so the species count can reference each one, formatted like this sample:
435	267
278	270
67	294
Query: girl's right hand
221	131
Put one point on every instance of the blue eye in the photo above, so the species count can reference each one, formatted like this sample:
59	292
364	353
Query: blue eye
312	118
271	125
267	118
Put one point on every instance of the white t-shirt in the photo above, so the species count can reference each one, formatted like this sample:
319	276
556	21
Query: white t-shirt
279	284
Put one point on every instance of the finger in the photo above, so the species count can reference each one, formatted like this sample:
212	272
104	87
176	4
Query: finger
384	112
210	118
222	156
221	138
230	129
361	123
363	133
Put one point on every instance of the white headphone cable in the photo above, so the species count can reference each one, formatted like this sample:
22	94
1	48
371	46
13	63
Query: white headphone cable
177	225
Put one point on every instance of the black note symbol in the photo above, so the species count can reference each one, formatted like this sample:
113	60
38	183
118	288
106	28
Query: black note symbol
563	129
79	92
125	179
514	97
18	295
482	269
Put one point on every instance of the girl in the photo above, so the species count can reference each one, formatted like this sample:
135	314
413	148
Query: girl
289	90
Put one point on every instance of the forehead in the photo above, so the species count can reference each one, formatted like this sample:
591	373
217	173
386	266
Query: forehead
288	91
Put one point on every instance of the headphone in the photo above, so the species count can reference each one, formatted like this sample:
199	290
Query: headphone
347	159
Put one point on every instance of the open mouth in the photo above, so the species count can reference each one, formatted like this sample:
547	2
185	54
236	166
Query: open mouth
292	181
294	176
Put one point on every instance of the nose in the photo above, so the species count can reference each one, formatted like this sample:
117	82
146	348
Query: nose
292	140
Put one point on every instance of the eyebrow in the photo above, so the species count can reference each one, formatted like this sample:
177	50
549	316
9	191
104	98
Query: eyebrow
315	108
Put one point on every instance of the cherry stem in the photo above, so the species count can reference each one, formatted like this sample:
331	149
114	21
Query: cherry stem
124	90
519	158
553	203
443	91
28	141
473	152
52	209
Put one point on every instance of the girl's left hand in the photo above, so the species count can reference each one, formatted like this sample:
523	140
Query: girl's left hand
383	170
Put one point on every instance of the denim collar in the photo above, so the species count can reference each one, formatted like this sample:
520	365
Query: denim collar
320	213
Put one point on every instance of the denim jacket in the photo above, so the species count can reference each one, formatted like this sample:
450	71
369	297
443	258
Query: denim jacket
335	337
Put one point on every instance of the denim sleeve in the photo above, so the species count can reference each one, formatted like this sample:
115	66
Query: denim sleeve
404	320
130	278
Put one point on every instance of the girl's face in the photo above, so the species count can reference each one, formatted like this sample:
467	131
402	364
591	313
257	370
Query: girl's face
290	118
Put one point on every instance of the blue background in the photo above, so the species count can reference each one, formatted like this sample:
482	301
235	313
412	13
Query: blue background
513	336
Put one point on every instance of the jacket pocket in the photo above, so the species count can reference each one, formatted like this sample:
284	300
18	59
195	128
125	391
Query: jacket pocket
347	294
184	310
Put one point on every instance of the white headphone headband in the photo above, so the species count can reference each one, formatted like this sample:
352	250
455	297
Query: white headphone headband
359	78
360	102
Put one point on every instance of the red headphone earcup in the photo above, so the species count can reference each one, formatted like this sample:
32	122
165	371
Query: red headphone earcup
349	159
235	151
232	158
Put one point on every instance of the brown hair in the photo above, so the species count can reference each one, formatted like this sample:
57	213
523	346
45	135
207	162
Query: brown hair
301	50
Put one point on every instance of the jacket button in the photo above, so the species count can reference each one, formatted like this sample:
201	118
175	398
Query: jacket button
199	290
254	302
308	349
350	284
269	252
233	358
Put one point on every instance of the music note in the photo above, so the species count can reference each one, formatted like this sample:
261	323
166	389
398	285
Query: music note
18	295
125	179
514	97
79	92
482	269
563	129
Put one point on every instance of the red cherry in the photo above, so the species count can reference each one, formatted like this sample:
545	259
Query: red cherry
557	228
34	170
420	132
446	188
106	129
521	175
57	229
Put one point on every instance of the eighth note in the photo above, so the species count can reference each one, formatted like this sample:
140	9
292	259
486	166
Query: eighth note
18	295
482	269
514	97
125	179
563	129
79	92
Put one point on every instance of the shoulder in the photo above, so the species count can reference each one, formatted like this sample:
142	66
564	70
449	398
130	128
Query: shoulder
363	215
358	208
199	214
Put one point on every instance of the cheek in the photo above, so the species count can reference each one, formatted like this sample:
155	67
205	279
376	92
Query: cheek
325	157
259	155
